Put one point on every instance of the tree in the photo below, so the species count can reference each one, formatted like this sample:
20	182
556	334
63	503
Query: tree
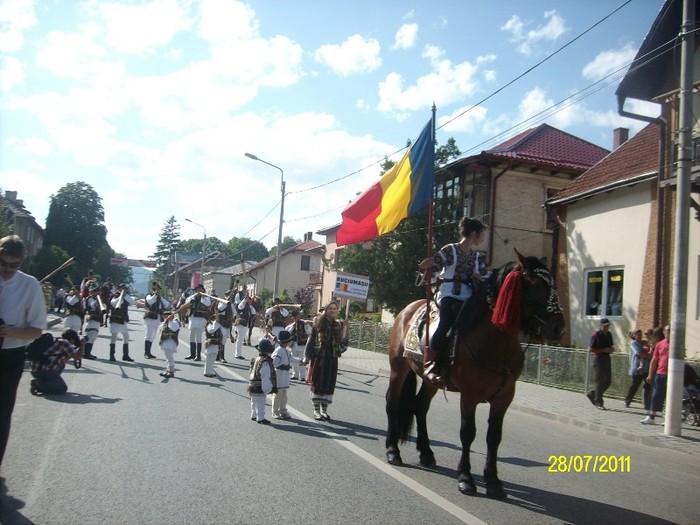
47	259
214	244
247	249
446	153
287	242
104	269
168	244
75	223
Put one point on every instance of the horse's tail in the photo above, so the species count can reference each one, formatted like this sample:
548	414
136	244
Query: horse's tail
407	406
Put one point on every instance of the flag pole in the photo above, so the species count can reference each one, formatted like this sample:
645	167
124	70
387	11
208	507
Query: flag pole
428	273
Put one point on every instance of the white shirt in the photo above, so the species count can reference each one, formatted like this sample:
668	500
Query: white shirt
171	344
127	299
21	306
151	298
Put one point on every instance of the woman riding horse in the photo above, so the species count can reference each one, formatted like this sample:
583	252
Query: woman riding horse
487	364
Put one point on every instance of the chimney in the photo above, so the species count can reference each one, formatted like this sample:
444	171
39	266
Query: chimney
620	136
308	236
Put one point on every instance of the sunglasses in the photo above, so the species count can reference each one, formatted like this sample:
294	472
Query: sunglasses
10	265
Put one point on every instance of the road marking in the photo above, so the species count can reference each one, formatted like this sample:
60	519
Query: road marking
433	497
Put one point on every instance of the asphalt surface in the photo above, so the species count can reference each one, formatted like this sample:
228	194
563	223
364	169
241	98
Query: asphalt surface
571	408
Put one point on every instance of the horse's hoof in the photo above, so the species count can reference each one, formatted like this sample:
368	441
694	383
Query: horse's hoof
427	460
467	486
394	458
494	490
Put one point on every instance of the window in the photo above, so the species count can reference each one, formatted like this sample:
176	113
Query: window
604	288
305	262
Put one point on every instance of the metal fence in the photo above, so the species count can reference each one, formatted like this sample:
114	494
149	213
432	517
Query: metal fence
567	368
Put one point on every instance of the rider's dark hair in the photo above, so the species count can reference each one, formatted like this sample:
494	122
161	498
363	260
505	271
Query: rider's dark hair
467	226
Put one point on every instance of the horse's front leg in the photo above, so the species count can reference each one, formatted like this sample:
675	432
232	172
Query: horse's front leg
467	432
423	399
494	487
400	406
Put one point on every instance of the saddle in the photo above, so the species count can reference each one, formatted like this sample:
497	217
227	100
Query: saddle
471	312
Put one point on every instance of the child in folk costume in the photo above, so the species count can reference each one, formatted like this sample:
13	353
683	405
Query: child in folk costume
282	360
261	381
214	337
245	311
300	331
169	332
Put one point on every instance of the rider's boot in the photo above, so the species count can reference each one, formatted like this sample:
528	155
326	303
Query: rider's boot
431	370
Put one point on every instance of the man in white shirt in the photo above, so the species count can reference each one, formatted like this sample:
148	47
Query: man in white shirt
23	315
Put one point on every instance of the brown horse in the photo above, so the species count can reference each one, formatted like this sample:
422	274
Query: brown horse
487	363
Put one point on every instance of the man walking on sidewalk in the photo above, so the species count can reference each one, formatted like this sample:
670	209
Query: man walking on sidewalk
601	347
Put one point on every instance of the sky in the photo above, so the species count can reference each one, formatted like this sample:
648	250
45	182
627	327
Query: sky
155	103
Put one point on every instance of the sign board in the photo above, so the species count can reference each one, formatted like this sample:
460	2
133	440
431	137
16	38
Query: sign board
120	261
351	286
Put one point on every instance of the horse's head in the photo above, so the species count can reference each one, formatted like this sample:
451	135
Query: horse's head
541	313
527	300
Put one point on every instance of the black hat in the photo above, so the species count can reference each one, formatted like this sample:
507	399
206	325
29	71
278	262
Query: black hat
284	337
265	346
200	285
604	321
227	292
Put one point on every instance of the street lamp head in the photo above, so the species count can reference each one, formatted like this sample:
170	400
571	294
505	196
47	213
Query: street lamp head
251	156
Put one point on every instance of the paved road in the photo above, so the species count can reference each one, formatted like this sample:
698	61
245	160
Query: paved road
126	446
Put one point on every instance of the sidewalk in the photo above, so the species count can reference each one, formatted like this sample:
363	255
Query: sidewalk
571	408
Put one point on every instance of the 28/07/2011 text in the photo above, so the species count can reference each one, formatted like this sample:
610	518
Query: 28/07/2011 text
602	464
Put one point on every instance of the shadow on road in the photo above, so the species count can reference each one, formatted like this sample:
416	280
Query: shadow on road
9	508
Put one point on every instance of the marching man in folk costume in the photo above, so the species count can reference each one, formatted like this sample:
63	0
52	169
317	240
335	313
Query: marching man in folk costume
200	308
244	313
93	319
118	319
261	381
169	332
277	316
300	331
225	310
155	306
75	309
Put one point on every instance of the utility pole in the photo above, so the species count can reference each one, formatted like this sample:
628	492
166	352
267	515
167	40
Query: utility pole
676	361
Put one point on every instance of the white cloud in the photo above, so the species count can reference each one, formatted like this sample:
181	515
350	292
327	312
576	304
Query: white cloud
527	41
445	84
11	73
15	17
406	36
33	145
608	62
355	56
139	28
224	21
467	119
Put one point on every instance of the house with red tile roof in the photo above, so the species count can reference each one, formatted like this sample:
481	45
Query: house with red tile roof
606	240
618	239
506	186
300	266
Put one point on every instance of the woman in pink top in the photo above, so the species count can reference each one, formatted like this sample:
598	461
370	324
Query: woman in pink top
658	374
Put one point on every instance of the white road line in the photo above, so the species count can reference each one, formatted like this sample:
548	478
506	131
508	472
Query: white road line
416	487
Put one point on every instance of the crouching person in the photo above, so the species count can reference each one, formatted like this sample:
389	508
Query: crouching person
47	371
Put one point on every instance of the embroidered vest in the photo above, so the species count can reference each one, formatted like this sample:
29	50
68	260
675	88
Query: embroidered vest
199	309
93	310
254	380
167	334
214	339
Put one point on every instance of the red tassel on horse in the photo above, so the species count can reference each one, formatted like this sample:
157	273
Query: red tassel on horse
506	314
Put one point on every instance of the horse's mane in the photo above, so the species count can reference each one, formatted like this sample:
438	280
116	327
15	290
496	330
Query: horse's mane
498	275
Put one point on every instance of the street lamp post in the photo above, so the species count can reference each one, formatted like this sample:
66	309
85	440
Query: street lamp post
279	232
204	250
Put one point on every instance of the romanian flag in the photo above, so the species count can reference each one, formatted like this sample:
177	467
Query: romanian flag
401	192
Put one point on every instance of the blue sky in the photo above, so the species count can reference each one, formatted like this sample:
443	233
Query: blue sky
155	103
